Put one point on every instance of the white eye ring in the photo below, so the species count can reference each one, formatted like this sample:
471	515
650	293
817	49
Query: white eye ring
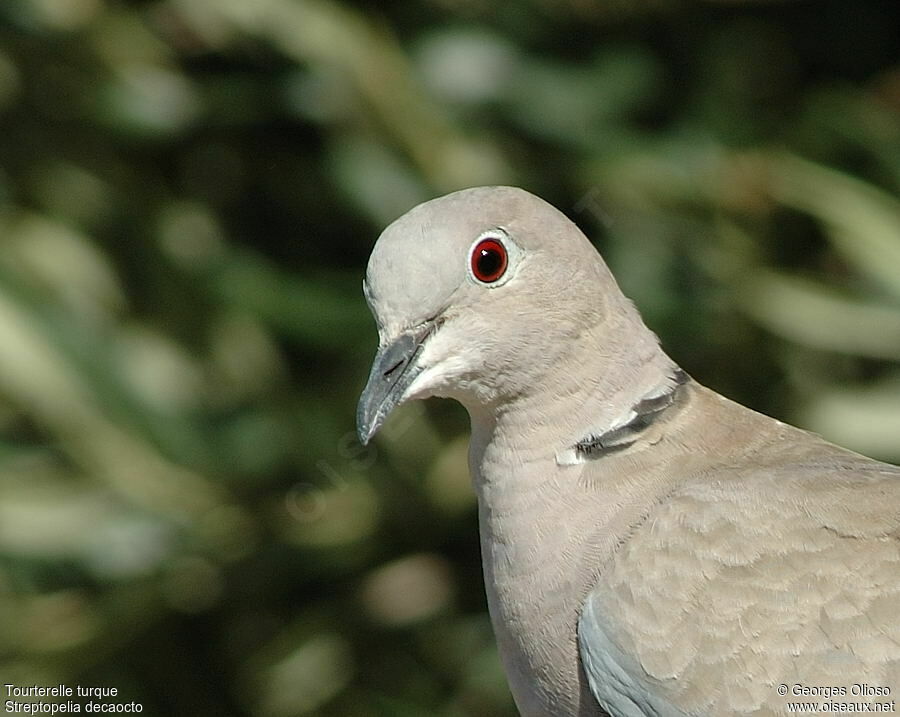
492	259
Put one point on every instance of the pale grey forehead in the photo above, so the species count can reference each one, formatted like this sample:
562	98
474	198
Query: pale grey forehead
416	258
420	259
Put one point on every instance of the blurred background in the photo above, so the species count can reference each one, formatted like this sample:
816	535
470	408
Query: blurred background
189	190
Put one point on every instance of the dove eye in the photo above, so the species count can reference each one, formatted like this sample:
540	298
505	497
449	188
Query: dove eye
488	260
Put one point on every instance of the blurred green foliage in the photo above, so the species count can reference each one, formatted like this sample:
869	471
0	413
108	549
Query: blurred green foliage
189	190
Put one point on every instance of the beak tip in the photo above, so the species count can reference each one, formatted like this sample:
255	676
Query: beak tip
393	370
367	425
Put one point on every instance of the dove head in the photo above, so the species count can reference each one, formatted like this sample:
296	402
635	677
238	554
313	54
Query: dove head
477	295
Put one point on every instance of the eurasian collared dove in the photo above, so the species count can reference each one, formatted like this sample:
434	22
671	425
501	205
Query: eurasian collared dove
649	547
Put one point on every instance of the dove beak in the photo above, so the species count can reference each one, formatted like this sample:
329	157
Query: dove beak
394	369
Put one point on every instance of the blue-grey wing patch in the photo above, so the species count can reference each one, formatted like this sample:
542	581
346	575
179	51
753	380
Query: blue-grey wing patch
615	679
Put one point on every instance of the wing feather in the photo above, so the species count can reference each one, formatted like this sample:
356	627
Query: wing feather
770	575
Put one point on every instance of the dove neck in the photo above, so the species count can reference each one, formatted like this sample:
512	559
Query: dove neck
546	528
587	391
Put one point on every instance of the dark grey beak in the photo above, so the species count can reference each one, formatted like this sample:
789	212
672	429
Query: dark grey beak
393	370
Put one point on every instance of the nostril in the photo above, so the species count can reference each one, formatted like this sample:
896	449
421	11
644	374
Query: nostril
393	368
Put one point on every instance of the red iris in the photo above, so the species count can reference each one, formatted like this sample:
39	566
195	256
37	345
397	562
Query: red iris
489	260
